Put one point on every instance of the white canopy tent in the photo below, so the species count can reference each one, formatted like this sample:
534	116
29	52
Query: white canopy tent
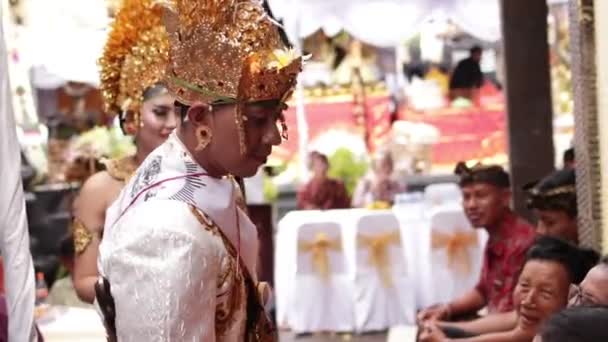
62	40
385	23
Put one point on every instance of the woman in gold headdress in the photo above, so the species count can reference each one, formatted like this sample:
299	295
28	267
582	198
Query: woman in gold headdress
132	67
178	253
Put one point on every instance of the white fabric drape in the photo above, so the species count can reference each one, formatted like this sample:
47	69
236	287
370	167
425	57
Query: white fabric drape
14	244
63	40
385	23
480	18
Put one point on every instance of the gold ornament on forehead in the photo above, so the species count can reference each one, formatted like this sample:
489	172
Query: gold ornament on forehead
227	51
135	57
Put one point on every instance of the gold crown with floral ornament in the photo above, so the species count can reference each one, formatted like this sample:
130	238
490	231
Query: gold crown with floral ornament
227	51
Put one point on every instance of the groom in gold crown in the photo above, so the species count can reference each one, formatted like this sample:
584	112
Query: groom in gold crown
178	256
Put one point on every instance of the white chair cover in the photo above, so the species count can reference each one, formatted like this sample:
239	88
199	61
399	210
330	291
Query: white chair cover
409	206
384	288
321	303
454	257
286	252
436	195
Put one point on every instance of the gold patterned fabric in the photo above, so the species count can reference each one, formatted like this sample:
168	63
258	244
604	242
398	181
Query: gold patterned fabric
227	50
379	257
121	169
135	56
82	236
239	291
456	246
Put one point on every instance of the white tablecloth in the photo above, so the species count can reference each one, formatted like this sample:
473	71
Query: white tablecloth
67	324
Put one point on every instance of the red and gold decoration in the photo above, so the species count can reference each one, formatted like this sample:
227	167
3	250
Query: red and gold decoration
473	133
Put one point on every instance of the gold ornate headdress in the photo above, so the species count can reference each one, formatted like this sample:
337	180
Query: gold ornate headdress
135	57
227	51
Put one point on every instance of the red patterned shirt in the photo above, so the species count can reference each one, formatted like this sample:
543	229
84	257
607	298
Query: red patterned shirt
503	259
323	194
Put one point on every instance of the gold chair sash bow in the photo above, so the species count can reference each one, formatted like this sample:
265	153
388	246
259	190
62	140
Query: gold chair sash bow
319	249
378	248
456	245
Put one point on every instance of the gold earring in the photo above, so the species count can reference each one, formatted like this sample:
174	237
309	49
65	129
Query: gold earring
139	123
203	136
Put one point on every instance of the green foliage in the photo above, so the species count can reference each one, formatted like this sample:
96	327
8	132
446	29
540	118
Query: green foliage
271	191
347	168
102	141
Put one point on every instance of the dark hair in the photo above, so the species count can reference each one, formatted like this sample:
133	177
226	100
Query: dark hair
148	93
557	191
577	261
66	246
569	155
154	90
580	323
320	156
183	108
475	49
491	174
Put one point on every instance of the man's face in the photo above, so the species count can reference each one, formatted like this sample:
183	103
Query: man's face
319	166
477	56
557	223
593	290
261	133
484	204
541	290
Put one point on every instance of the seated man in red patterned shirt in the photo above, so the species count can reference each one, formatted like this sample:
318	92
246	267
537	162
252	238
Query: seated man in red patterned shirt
486	199
553	200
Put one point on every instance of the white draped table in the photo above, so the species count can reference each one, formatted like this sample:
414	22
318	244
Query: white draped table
67	324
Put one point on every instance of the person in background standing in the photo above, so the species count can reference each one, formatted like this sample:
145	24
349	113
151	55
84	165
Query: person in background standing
467	76
322	192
